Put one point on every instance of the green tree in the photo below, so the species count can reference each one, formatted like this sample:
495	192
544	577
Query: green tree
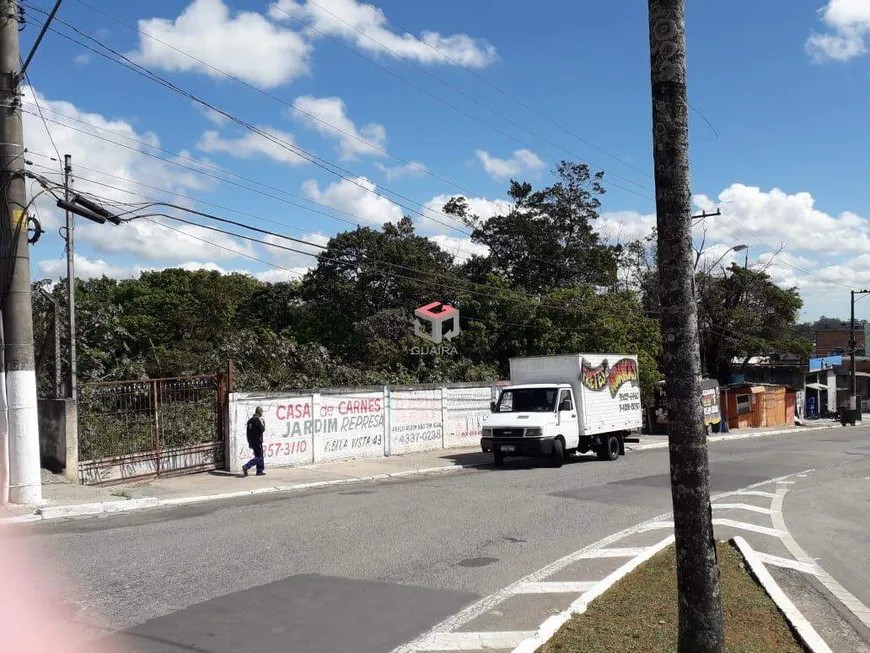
744	314
547	239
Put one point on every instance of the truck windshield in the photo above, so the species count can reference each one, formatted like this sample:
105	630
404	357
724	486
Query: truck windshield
527	400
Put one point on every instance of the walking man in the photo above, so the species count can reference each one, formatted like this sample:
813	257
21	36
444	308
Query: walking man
256	428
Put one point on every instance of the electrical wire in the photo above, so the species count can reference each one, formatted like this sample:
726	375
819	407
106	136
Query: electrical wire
502	92
375	63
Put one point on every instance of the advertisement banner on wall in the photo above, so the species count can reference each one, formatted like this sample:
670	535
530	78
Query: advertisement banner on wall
349	426
415	421
466	410
289	429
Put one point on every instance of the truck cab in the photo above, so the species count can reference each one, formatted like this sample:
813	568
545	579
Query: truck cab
527	419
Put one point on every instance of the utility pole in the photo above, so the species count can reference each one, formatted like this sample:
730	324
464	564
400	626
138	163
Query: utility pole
70	279
699	595
25	483
853	346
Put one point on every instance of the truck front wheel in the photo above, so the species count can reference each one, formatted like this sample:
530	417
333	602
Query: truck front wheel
557	456
609	448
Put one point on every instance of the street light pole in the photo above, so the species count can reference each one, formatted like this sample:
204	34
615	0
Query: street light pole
853	345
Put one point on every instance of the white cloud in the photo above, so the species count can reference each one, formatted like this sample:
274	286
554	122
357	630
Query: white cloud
523	161
367	28
624	226
87	268
277	275
775	217
328	116
848	22
411	169
128	162
436	222
358	199
214	117
461	249
82	59
246	45
253	144
303	256
163	240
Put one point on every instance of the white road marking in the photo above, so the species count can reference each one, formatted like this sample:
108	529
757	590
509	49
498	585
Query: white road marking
743	506
785	482
749	527
556	587
855	606
473	641
487	603
788	563
807	633
551	625
757	493
614	553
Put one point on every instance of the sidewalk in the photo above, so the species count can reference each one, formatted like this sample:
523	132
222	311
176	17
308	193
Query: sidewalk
66	499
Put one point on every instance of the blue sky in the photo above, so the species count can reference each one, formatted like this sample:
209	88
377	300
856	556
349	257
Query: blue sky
785	86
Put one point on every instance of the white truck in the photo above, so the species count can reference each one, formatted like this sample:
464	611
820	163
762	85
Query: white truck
560	405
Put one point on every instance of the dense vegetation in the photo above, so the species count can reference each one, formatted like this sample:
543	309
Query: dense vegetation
549	284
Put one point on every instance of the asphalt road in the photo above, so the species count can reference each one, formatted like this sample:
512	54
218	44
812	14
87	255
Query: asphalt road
367	568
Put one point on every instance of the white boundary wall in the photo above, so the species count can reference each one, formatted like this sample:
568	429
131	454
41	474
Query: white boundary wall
313	427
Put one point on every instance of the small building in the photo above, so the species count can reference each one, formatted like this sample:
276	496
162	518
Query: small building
750	405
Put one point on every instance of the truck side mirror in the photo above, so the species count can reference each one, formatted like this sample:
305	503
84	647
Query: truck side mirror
492	406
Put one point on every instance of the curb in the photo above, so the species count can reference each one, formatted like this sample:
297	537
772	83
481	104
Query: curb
549	628
805	631
741	436
114	507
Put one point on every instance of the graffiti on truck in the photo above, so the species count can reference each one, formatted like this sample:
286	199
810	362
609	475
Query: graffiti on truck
603	376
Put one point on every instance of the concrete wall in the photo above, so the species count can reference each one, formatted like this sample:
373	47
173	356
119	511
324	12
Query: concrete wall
58	436
306	428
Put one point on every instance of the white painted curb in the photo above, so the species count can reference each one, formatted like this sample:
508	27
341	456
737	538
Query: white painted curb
117	506
740	436
554	623
808	635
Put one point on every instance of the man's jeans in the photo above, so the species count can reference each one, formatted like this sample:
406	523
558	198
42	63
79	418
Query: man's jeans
256	460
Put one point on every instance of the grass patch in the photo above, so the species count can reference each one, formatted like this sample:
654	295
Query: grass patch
639	613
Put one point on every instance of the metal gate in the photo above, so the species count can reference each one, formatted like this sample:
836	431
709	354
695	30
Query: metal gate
157	427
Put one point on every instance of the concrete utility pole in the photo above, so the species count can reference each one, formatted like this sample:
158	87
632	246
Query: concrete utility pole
700	605
25	485
70	279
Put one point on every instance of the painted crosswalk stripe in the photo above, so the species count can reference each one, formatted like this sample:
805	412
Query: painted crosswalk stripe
763	530
629	552
480	641
743	506
553	587
788	563
756	493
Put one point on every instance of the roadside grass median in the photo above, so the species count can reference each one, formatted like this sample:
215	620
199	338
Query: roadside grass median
639	613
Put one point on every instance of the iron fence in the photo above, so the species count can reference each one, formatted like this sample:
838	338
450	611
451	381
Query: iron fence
125	421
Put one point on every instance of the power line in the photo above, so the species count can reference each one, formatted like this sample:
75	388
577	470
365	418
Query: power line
495	112
44	121
199	165
375	63
318	161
